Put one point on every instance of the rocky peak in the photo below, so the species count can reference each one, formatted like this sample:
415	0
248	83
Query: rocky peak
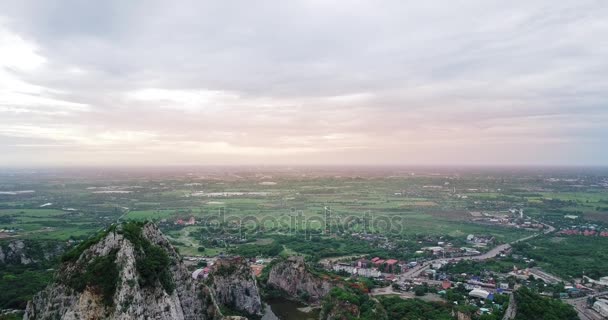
235	287
293	277
129	271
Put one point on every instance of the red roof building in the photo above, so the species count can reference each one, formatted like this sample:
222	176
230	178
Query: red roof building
391	262
446	284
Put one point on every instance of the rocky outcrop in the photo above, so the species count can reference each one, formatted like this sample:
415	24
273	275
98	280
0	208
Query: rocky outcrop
293	277
340	310
25	252
235	287
129	272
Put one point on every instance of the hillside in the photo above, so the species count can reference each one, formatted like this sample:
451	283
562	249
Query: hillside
127	272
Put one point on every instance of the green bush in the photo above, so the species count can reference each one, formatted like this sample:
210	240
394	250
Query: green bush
74	253
531	305
101	275
152	261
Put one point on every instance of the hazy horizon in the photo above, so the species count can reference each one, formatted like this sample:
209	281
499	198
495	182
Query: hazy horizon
300	83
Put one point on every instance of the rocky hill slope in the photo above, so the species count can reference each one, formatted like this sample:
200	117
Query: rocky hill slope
234	286
293	277
25	252
128	272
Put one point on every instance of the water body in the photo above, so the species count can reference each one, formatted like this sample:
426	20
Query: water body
282	309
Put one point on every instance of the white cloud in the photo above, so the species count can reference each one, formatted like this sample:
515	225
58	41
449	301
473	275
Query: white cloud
307	81
17	53
18	59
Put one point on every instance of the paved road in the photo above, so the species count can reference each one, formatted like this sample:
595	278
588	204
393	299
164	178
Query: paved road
580	305
414	272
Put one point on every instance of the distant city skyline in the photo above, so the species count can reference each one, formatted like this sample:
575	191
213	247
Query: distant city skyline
154	83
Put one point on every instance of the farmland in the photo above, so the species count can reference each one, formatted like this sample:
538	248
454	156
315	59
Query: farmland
221	209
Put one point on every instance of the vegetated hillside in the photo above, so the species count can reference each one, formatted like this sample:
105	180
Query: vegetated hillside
27	252
569	256
127	272
531	305
25	268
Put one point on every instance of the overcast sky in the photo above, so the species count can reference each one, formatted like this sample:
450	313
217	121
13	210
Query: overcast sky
303	82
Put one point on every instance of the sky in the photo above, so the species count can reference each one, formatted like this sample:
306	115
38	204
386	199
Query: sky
136	83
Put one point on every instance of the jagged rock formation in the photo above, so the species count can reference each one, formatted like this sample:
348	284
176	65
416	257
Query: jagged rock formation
234	286
294	278
129	272
24	252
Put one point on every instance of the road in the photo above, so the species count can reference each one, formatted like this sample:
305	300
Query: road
411	274
580	305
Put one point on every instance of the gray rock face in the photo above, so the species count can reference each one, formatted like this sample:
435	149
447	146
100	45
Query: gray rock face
130	300
292	277
24	252
234	286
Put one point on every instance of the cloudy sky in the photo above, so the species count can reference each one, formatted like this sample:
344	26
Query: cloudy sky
303	82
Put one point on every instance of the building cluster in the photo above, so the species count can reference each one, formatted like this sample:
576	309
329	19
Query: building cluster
374	268
448	250
256	265
480	241
587	230
601	306
190	222
512	218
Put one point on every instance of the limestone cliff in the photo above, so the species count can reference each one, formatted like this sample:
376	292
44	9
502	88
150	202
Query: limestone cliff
128	272
293	277
235	287
25	252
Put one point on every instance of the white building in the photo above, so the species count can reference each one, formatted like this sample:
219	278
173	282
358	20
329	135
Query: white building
601	306
479	293
369	273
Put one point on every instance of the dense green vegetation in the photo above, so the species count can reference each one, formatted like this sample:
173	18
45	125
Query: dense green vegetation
318	247
254	250
26	271
397	308
338	303
503	265
101	275
533	306
74	253
19	283
152	261
568	256
11	317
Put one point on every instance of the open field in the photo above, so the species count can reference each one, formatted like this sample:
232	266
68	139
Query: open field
319	215
399	204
